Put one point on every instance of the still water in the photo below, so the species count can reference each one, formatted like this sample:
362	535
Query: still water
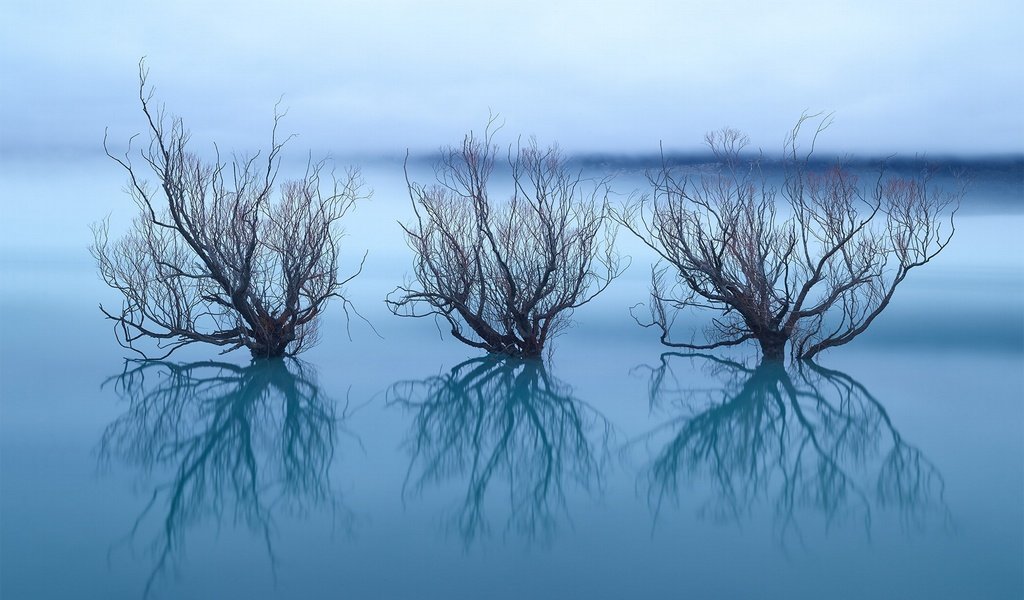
404	465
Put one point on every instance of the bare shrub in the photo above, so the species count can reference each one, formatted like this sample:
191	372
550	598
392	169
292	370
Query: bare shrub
212	257
506	275
812	262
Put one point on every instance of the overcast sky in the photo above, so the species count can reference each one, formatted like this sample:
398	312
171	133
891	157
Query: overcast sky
376	77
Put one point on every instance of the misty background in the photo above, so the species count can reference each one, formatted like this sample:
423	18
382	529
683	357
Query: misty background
364	78
365	81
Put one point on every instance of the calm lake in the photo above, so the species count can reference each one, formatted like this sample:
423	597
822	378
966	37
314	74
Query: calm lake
406	465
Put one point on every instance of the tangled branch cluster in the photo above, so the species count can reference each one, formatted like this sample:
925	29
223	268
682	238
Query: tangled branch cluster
814	269
506	275
213	257
808	262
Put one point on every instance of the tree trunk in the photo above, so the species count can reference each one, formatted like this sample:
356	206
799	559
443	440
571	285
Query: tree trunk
773	346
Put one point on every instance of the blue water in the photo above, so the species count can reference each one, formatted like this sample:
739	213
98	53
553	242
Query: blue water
409	466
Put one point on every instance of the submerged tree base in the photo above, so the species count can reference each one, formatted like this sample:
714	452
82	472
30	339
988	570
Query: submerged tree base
517	353
270	352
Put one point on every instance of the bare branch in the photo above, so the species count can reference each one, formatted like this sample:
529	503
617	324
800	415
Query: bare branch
506	275
816	274
212	257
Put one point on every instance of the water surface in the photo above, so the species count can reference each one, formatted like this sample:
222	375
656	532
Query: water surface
409	466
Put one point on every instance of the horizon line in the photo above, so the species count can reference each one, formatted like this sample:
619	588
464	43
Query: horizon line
10	152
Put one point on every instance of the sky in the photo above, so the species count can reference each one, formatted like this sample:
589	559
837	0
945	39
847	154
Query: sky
369	78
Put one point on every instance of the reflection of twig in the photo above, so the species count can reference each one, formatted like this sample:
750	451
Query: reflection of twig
798	438
253	441
906	478
508	418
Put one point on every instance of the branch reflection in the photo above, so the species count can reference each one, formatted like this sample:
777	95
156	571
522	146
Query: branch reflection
224	442
508	429
803	440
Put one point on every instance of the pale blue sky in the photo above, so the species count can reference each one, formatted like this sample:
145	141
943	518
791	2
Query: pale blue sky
365	77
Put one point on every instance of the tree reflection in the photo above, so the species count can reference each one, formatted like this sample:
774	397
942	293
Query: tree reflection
807	439
243	443
502	424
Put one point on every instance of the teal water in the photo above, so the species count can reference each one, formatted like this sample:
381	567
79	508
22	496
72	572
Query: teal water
409	466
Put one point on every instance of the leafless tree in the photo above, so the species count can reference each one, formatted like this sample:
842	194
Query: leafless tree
503	423
800	440
814	269
212	257
238	444
506	275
